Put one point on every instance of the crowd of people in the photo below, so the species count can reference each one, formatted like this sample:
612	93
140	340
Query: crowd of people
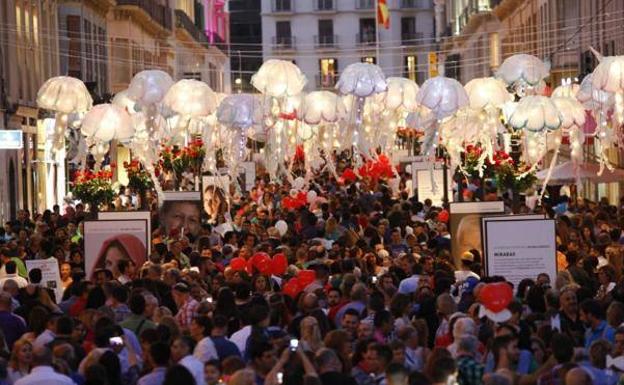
388	303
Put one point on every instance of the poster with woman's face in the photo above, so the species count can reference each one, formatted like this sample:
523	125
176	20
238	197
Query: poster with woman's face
180	213
215	190
465	225
109	241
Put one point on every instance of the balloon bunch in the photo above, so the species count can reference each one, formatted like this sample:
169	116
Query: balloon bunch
297	284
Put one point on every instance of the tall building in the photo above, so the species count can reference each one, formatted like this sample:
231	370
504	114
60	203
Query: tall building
196	55
29	54
324	36
480	34
83	47
245	42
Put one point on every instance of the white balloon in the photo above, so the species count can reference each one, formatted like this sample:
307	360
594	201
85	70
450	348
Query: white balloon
311	196
282	227
298	183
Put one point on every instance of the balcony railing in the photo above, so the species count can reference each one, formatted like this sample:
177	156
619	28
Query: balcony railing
364	4
159	13
325	41
367	38
411	38
183	21
326	81
283	42
416	4
324	5
283	6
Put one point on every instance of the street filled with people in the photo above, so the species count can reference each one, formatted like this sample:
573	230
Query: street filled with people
360	288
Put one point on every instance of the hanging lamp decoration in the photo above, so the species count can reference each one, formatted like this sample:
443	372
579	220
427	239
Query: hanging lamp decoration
523	73
64	95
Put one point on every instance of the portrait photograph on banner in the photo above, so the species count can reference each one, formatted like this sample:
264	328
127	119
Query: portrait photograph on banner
180	214
215	190
126	215
107	242
465	225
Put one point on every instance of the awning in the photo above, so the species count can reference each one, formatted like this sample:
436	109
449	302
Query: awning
566	173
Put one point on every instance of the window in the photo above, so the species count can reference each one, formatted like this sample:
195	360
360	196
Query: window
411	67
369	60
408	29
74	53
281	6
282	31
367	31
329	70
326	32
324	5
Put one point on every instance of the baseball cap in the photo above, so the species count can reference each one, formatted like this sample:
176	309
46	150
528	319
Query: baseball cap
467	256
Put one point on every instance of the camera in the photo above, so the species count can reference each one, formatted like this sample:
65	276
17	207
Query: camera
294	344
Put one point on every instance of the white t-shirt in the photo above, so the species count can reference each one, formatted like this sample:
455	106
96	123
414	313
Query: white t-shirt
205	350
195	367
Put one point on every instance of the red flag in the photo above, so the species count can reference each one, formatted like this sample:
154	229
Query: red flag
383	16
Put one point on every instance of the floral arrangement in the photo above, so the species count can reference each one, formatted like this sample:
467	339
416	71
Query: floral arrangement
93	187
138	178
182	165
510	174
473	162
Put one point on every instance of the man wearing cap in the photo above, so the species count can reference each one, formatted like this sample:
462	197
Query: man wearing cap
187	306
465	268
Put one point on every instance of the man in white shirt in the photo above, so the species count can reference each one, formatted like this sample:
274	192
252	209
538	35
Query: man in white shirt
205	349
42	372
181	350
11	273
465	268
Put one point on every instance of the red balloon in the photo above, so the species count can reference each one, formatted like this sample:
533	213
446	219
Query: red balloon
279	264
263	264
250	266
443	216
238	264
306	277
291	288
496	296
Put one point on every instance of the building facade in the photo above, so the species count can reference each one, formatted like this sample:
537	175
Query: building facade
480	34
324	36
29	54
245	42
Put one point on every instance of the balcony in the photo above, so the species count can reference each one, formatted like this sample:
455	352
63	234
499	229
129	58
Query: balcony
282	6
364	4
327	81
416	4
184	22
474	9
411	38
283	42
325	5
158	13
368	38
325	41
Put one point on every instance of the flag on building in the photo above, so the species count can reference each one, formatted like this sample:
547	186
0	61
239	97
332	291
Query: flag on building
383	16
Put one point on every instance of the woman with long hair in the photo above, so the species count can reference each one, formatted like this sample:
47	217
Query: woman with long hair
21	360
226	306
311	334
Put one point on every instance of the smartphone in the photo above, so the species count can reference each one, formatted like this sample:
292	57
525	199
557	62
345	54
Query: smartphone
209	299
280	378
294	344
374	280
115	341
